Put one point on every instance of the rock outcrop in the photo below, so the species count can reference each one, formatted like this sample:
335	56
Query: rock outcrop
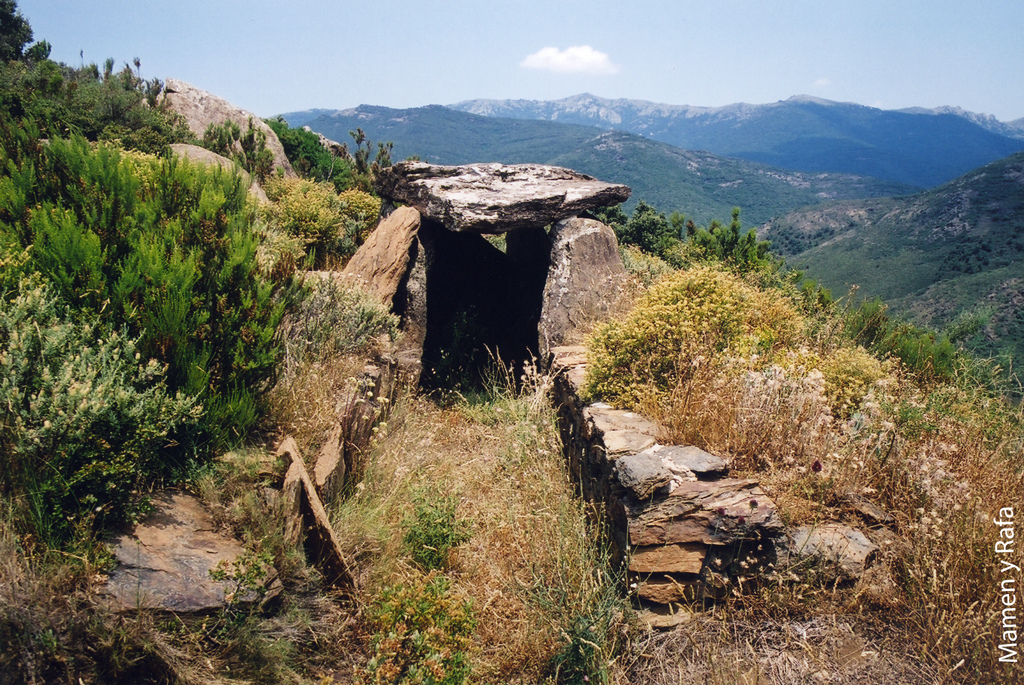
496	198
195	153
164	563
200	109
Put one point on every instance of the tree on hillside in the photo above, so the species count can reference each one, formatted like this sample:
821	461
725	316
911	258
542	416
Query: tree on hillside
730	244
15	32
648	230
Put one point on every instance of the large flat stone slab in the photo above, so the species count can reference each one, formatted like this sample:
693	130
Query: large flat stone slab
164	563
496	198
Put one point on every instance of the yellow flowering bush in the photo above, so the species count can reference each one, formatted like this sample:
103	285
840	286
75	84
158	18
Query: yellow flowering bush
331	225
684	316
305	209
849	374
361	208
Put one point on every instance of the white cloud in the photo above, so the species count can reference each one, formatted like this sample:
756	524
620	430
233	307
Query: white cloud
823	82
578	58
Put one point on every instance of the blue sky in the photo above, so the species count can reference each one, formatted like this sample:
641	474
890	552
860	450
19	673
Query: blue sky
273	57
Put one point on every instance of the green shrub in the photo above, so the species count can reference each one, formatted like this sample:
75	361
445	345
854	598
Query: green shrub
331	226
83	415
930	355
163	248
433	530
362	209
310	159
423	635
335	318
849	372
110	106
731	245
646	267
703	308
248	148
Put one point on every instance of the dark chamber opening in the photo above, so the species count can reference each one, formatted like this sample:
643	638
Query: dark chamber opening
483	305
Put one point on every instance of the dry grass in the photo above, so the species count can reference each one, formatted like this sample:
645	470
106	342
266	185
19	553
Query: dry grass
818	420
738	650
531	567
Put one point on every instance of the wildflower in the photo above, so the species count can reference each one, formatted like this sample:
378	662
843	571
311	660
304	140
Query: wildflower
816	466
721	511
742	520
753	504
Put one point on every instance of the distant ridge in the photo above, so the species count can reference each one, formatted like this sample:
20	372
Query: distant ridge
918	147
699	184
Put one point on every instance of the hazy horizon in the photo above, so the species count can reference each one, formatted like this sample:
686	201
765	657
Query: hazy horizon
270	58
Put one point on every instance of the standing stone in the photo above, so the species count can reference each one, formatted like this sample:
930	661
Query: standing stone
380	264
307	520
584	281
410	303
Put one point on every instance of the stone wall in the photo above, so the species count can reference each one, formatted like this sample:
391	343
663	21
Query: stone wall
682	527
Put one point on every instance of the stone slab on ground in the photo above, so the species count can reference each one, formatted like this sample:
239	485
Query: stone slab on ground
847	549
164	563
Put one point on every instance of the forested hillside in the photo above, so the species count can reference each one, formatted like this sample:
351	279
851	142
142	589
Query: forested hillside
802	133
949	257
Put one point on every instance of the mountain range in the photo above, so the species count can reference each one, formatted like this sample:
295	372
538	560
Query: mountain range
918	147
701	185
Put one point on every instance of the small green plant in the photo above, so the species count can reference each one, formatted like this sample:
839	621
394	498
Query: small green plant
246	577
929	355
423	635
433	530
588	642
